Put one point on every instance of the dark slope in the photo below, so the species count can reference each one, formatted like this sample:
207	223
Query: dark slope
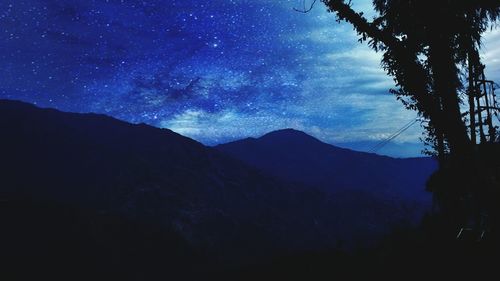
112	178
96	162
296	156
52	241
224	209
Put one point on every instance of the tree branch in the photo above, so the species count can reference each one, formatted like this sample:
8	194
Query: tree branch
361	24
411	74
306	10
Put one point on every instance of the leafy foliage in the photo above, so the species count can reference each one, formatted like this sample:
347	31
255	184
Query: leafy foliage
424	43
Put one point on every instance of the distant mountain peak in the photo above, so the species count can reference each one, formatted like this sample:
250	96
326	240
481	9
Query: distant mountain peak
294	155
289	134
284	130
287	131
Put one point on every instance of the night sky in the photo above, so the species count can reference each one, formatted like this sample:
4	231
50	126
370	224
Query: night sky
213	70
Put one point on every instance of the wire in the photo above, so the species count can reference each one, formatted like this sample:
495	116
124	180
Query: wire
383	143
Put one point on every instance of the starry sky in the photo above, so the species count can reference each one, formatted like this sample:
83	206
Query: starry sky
212	70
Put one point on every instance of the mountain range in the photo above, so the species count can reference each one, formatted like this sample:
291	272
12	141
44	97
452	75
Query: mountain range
236	203
292	155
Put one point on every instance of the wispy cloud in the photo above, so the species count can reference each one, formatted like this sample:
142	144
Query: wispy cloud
214	70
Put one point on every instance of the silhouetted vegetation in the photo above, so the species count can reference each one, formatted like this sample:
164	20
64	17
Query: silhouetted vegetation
424	43
406	254
46	240
427	48
43	240
91	197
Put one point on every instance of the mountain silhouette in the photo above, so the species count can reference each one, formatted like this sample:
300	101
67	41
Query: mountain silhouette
295	156
103	180
152	175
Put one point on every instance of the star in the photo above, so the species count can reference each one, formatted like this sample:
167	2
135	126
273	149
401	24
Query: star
214	70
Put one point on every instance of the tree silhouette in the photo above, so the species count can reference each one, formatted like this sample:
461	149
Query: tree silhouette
424	43
427	46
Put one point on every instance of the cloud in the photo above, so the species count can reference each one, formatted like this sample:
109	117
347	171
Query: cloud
335	90
258	66
491	54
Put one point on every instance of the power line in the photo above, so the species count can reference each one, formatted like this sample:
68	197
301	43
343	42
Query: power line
383	143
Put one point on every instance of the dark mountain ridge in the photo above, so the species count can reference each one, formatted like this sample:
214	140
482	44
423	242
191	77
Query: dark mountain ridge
293	155
96	162
226	211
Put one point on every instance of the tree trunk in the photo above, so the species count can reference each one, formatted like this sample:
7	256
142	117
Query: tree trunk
445	86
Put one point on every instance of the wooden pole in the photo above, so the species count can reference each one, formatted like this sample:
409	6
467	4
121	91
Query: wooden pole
472	109
477	90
